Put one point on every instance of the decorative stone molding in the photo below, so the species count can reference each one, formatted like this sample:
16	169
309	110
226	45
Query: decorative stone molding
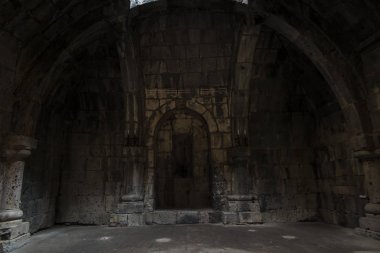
17	147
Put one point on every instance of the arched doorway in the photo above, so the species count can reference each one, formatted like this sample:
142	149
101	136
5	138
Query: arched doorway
182	173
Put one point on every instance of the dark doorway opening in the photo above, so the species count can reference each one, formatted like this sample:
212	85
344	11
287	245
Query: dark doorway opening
182	178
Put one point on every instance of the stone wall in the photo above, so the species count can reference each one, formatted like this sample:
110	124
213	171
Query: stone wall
8	61
186	49
281	153
340	178
212	106
75	175
300	162
371	60
92	173
186	57
42	172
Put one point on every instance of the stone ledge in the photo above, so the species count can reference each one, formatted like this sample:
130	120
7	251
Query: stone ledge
230	218
127	220
171	217
130	207
188	217
367	233
11	245
164	217
370	223
372	208
15	228
250	218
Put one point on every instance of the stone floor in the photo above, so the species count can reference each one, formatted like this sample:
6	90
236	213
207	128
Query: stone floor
290	237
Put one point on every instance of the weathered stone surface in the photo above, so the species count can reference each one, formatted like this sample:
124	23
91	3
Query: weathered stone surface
249	217
130	207
368	233
373	208
11	245
230	218
371	223
89	102
135	220
164	217
14	229
188	217
215	217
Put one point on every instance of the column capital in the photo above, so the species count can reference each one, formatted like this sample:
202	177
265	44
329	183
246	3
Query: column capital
17	147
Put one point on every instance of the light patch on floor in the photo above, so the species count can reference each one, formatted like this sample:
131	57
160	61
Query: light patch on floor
289	237
163	240
104	238
251	230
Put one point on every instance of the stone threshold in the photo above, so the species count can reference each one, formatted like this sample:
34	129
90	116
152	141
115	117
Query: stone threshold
171	217
188	216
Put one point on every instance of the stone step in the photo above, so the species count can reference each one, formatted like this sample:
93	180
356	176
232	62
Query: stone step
242	218
372	208
130	207
367	233
13	244
13	229
170	217
127	220
370	223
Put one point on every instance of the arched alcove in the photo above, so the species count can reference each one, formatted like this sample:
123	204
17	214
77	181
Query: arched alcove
183	168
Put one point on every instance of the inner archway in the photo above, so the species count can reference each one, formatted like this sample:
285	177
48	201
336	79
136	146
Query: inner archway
182	177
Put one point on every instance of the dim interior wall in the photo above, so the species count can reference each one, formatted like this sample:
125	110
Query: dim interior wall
9	52
41	175
339	175
371	62
75	174
185	58
186	61
281	153
91	176
186	49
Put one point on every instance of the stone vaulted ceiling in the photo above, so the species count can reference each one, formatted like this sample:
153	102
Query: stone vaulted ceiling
38	25
46	33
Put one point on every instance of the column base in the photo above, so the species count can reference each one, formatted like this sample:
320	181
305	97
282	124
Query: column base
370	226
10	215
12	229
367	233
7	246
128	214
242	209
127	220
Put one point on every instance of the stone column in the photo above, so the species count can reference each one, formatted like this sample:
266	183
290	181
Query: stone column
13	232
129	211
370	224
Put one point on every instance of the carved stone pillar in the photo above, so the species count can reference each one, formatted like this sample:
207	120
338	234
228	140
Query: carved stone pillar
130	211
14	233
370	224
